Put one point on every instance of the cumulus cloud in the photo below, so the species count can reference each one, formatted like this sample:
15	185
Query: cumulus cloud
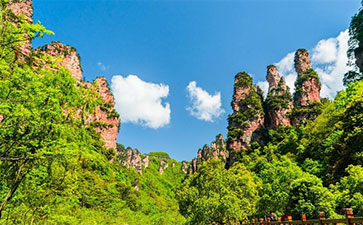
325	51
140	102
286	69
328	58
264	87
102	66
204	106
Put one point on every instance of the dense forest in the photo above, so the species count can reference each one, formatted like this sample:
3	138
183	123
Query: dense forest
56	169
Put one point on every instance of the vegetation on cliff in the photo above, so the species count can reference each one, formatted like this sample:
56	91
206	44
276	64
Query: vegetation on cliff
304	169
279	98
248	107
55	168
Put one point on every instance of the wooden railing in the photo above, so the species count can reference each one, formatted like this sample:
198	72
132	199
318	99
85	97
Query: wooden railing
348	220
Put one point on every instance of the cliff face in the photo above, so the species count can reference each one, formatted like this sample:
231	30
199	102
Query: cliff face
163	166
216	150
308	84
106	114
106	120
132	158
278	102
23	7
307	104
248	114
69	58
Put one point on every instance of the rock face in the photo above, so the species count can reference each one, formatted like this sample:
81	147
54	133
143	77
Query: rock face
278	102
307	104
302	61
68	56
163	166
132	158
23	7
105	119
307	84
106	114
186	167
248	114
216	150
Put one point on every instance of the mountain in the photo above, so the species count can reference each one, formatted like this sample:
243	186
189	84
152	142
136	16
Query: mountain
60	163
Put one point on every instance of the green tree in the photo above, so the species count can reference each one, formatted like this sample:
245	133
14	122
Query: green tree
39	107
350	190
355	49
215	195
309	196
276	178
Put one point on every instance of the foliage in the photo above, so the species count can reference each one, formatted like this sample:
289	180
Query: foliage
335	136
243	80
354	52
279	97
215	195
352	76
350	189
54	168
302	114
161	155
310	197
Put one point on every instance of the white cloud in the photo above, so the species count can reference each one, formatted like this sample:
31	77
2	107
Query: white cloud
102	66
287	69
264	87
330	62
325	51
328	58
140	102
204	106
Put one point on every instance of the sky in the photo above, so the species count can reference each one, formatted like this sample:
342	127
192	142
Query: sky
171	64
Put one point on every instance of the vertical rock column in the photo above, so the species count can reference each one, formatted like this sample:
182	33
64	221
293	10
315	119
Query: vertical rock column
23	7
216	150
278	101
307	84
248	115
307	104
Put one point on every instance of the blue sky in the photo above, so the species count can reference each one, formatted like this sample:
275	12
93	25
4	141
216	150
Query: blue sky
169	44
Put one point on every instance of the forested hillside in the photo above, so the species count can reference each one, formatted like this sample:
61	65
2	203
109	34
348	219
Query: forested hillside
60	164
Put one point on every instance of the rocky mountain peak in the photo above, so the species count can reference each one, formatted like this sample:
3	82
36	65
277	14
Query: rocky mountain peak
273	76
307	90
307	85
302	60
132	158
278	101
69	58
248	114
216	150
